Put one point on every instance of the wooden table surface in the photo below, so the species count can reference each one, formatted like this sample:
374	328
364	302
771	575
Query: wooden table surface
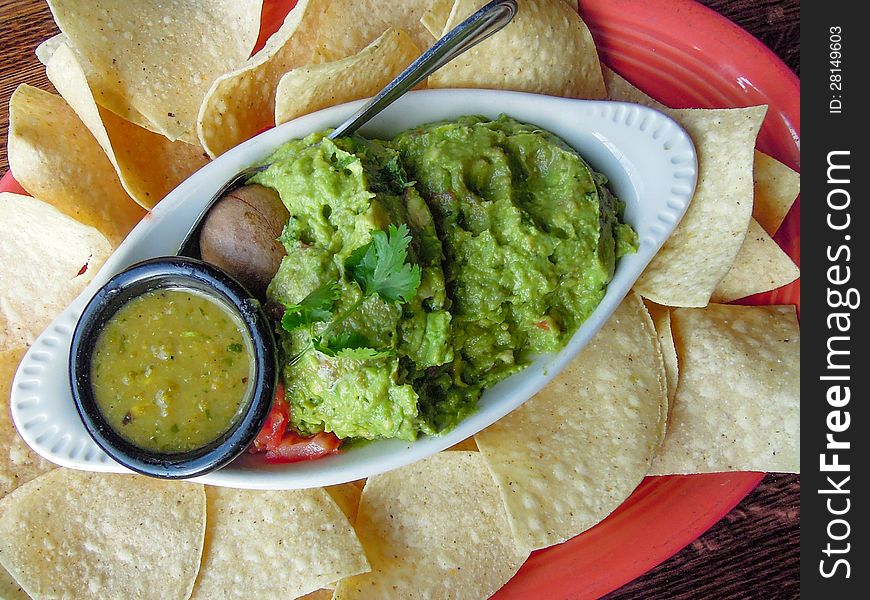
754	551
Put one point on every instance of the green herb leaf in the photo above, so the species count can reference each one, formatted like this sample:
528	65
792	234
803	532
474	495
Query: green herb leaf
362	353
396	172
235	347
315	307
345	161
379	267
341	341
349	345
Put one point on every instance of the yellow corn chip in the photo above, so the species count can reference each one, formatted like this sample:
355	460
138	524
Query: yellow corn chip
661	316
313	87
158	59
737	406
434	529
46	259
760	266
346	495
54	157
776	188
9	588
776	185
569	456
620	90
46	50
700	251
241	103
348	26
148	164
466	445
274	544
74	534
435	17
325	594
546	49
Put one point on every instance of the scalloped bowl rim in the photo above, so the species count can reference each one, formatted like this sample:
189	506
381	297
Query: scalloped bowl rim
648	157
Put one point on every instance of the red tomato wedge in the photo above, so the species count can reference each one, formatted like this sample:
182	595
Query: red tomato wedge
275	426
285	446
295	448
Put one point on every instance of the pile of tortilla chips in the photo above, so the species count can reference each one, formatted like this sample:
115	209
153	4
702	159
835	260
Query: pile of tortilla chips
148	91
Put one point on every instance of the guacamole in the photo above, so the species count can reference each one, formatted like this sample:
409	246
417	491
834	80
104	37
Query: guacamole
515	237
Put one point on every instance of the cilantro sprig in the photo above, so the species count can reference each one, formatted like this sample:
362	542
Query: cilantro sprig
314	308
380	268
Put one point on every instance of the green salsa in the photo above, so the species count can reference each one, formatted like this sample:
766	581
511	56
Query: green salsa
516	239
171	370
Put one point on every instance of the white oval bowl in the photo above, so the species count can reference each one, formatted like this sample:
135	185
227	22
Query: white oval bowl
649	159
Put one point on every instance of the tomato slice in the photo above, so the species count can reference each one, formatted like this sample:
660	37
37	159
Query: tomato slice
275	426
295	448
286	446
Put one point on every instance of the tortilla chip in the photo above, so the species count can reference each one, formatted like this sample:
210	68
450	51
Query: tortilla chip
760	266
76	534
348	26
148	164
546	49
621	90
748	420
435	17
159	60
776	188
46	259
325	594
661	316
9	588
241	103
346	495
46	50
274	544
18	463
434	529
700	251
313	87
574	452
776	185
54	157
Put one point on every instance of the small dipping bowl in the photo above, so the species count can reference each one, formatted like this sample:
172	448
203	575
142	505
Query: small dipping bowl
200	278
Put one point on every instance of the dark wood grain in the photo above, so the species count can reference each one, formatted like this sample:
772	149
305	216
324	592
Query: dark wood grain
23	25
754	551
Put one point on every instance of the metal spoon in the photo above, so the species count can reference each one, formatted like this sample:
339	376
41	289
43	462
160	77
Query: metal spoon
473	30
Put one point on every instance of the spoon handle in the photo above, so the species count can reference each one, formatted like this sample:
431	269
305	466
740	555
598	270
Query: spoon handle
473	30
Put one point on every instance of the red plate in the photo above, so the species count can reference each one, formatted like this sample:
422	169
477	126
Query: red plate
684	55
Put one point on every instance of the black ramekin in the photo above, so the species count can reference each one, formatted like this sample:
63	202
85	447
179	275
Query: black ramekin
185	273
